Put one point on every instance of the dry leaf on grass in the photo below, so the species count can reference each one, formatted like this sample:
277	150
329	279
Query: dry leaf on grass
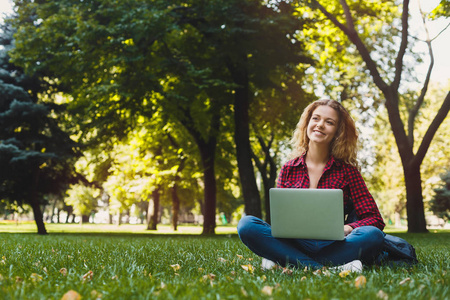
88	276
287	271
244	292
360	282
63	271
344	273
175	267
222	259
96	295
405	281
71	295
35	277
240	256
249	268
267	290
382	295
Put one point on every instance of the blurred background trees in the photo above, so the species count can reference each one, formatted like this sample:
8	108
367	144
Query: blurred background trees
184	109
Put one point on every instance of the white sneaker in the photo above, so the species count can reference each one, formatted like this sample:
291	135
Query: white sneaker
267	264
353	266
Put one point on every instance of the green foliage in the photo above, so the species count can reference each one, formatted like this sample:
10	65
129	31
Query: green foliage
442	10
144	267
440	204
83	199
36	155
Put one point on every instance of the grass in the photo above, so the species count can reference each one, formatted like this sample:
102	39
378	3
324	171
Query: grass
125	265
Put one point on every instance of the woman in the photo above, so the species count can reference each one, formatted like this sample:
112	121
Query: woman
324	156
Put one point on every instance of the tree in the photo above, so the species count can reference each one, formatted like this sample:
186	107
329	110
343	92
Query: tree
36	155
345	17
440	204
193	59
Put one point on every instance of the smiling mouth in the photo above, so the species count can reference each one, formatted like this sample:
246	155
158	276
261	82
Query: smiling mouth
320	132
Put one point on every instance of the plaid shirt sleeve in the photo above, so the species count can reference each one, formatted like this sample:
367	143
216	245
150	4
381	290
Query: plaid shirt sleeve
365	207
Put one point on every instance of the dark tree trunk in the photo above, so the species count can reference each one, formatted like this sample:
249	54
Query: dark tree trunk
268	171
84	219
35	205
250	191
414	203
207	153
153	210
207	148
175	207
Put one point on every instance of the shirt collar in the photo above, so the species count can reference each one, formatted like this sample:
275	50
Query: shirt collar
300	161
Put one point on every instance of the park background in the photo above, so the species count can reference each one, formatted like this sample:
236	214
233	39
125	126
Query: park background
181	113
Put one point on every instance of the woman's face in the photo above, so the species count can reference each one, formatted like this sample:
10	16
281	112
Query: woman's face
323	124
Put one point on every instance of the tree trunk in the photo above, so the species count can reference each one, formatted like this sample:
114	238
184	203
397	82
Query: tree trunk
153	210
175	207
250	191
34	202
414	203
208	153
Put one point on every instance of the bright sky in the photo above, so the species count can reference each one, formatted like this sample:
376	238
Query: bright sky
441	46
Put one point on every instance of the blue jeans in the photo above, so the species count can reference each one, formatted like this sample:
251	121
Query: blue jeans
363	243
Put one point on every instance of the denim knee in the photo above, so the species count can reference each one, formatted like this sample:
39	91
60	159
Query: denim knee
373	234
245	224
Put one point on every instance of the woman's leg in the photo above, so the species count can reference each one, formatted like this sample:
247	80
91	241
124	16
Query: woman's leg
257	236
363	243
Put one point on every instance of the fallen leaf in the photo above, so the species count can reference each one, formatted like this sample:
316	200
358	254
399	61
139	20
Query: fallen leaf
222	259
267	290
96	295
115	277
175	267
244	292
344	273
249	268
382	295
19	279
303	278
287	271
71	295
163	285
44	269
405	281
63	271
360	282
35	277
317	272
240	256
88	276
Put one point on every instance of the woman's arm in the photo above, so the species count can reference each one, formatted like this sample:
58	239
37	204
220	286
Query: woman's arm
365	207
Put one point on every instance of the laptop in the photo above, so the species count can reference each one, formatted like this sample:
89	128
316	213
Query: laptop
307	213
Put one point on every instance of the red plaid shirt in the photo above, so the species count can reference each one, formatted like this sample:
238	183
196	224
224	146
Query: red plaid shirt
336	175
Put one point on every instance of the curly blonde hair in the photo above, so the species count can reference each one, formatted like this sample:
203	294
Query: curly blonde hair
344	144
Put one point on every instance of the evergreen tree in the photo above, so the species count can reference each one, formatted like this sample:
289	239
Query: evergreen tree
36	156
440	205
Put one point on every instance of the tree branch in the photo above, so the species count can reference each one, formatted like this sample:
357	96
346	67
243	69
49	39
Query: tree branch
403	45
352	34
415	110
434	126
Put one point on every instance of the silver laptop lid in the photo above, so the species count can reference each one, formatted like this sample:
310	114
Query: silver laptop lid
307	213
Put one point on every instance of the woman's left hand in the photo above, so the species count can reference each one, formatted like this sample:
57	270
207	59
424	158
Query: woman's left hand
347	229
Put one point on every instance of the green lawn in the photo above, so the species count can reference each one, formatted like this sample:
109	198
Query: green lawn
127	265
